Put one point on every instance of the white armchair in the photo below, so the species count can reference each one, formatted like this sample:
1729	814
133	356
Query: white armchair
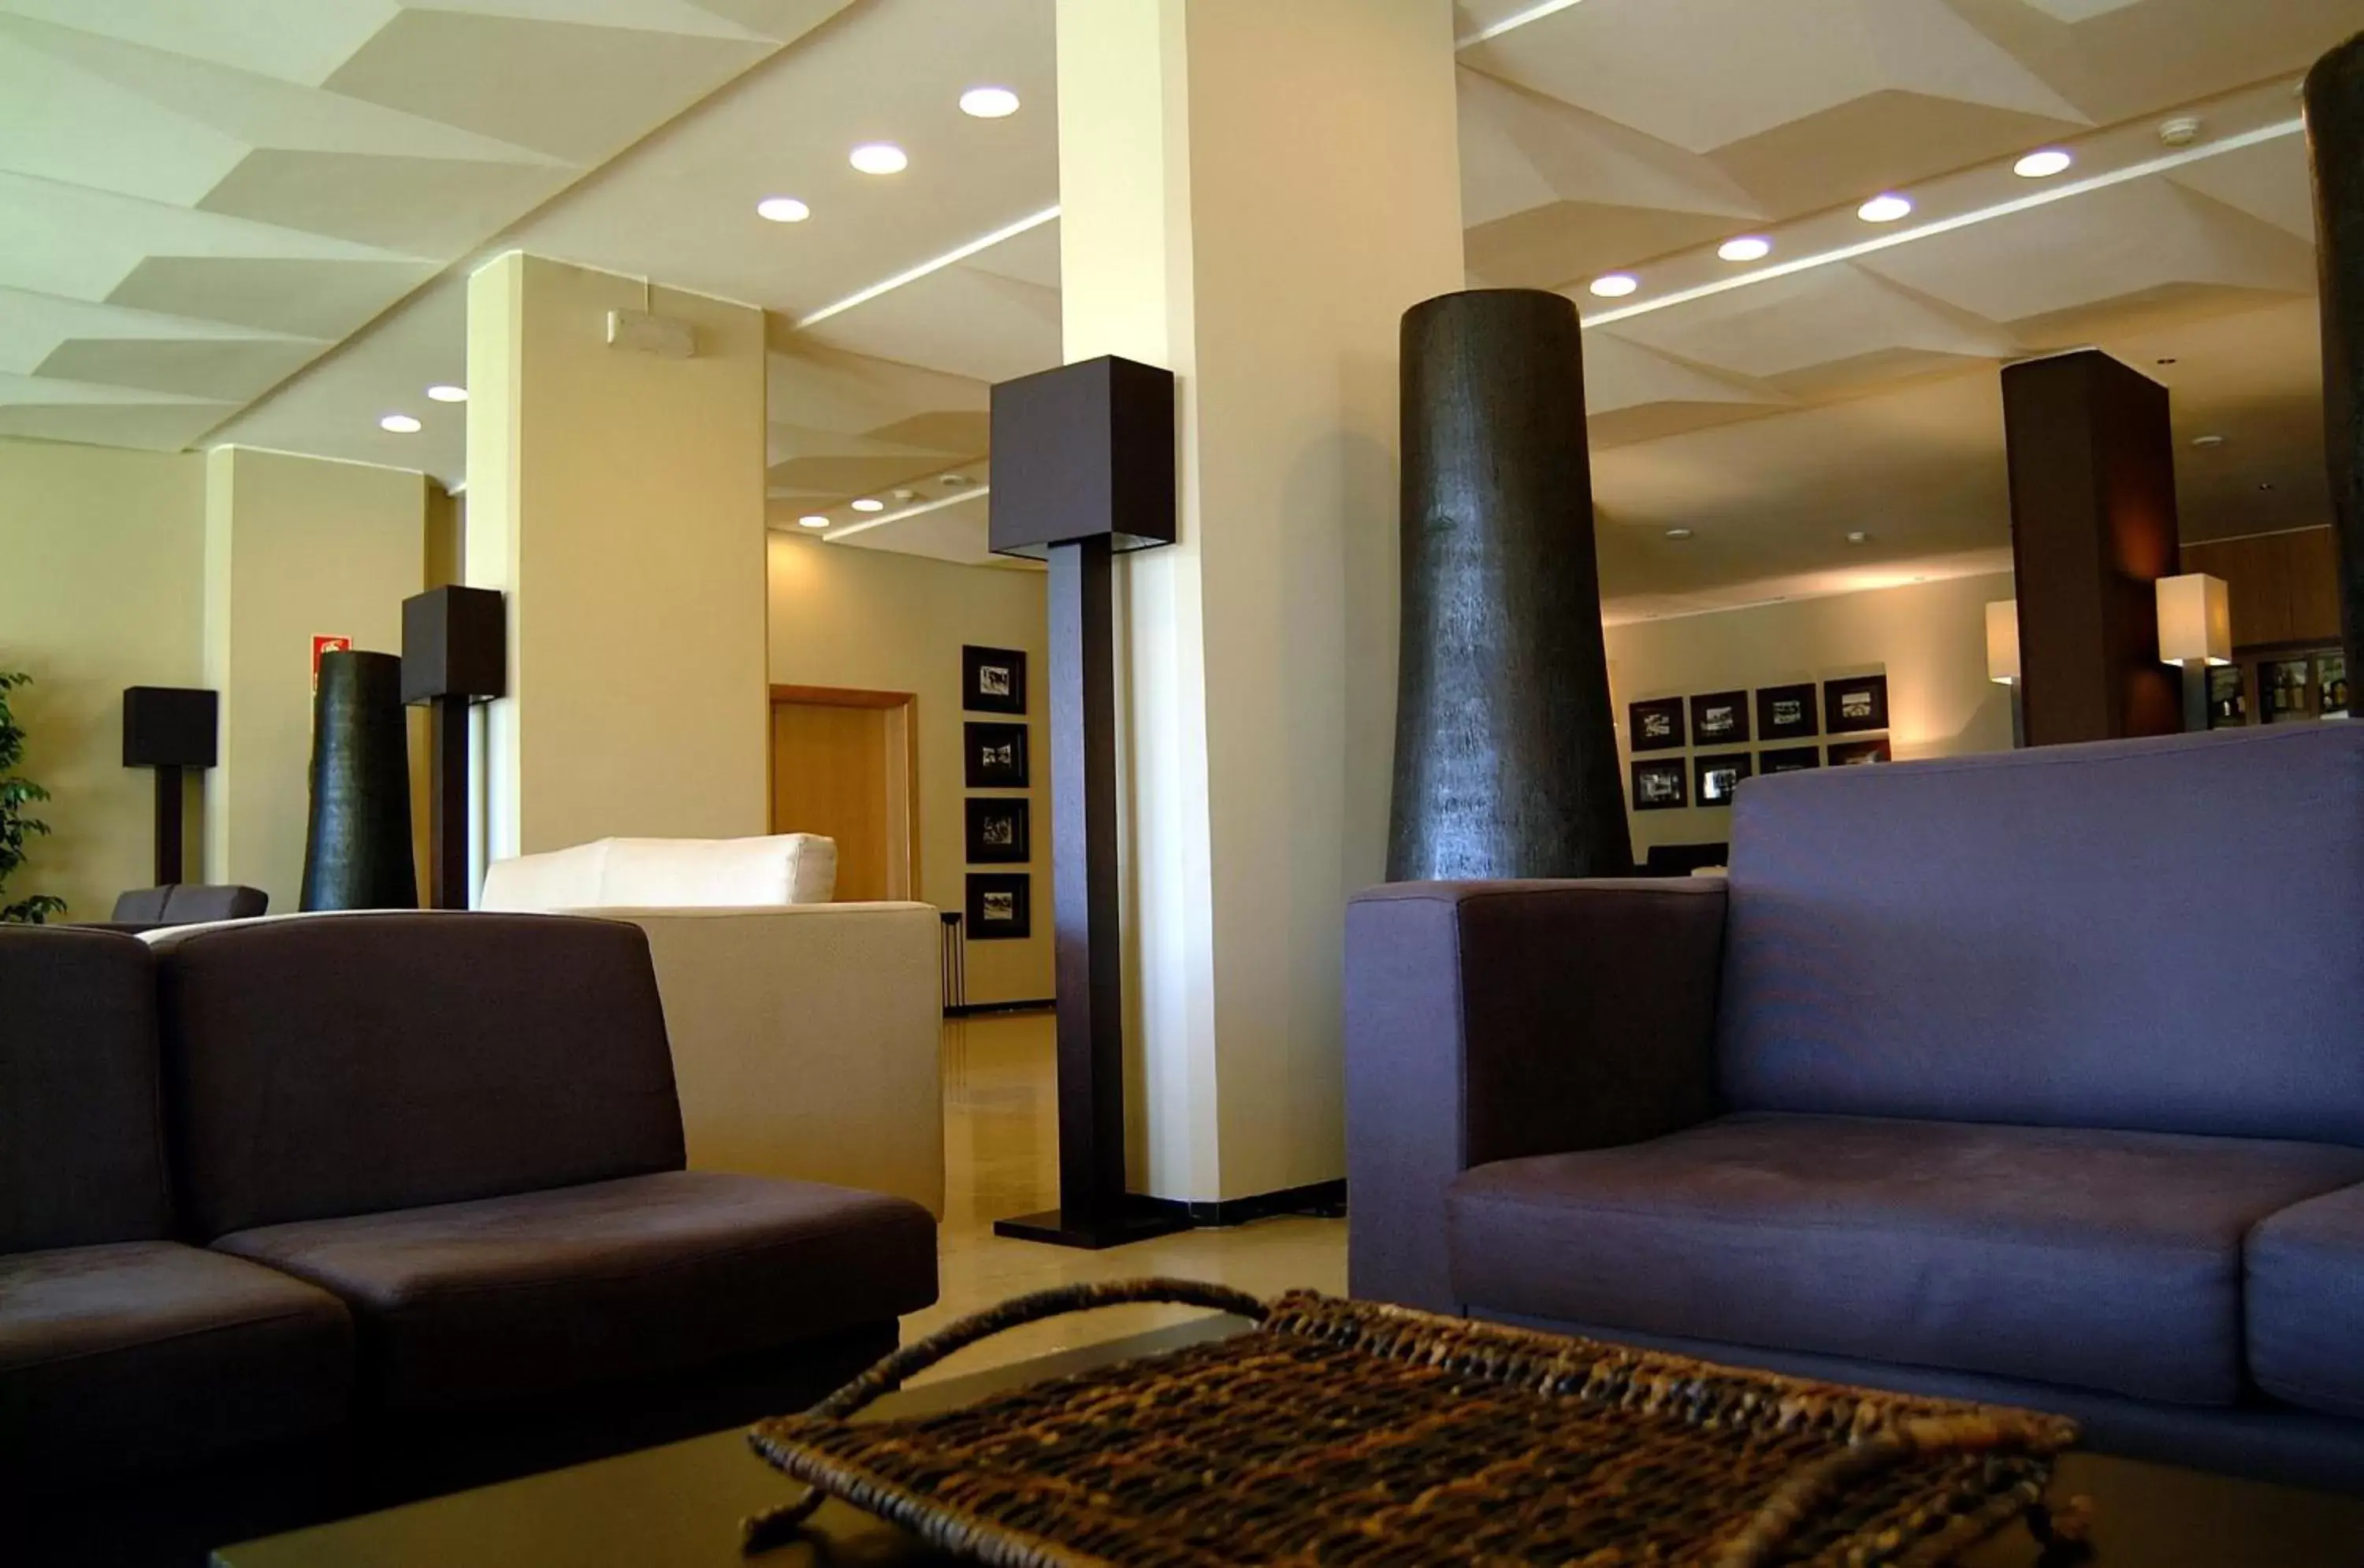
805	1034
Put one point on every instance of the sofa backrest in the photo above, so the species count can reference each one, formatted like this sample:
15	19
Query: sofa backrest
82	1134
2163	935
667	873
338	1064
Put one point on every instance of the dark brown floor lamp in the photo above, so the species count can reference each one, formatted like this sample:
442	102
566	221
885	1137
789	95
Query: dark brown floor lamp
172	730
454	655
1083	470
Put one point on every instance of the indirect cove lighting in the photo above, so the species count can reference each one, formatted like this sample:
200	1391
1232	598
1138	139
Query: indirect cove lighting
1888	209
1616	286
1515	21
400	424
814	521
2002	641
879	158
1749	247
2043	165
783	209
950	258
443	392
2195	620
867	505
989	103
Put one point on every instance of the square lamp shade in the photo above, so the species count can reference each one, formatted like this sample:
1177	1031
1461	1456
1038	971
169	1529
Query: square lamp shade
1083	452
2195	620
2002	641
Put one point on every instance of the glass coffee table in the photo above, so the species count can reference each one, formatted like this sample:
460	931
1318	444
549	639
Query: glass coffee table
679	1506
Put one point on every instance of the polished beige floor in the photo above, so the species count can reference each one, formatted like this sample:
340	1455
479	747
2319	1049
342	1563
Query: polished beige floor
1001	1153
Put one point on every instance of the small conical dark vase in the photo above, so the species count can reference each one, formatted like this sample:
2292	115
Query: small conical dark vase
357	853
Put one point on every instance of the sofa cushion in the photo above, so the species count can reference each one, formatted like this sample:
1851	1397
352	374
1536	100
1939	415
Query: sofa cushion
340	1065
2009	938
2306	1304
667	873
479	1303
148	1353
82	1135
2099	1260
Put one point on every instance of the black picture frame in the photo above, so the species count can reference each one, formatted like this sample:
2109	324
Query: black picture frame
996	756
993	680
1714	780
1661	786
1787	713
2284	687
1857	704
1720	718
1855	754
1657	726
1001	906
1000	829
2330	684
1788	759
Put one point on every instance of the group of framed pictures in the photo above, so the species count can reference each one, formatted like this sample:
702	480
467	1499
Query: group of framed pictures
1852	706
2289	686
999	830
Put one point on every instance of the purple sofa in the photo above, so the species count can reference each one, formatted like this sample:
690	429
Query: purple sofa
2035	1078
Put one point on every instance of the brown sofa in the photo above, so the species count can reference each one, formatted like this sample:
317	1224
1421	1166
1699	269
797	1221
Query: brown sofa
447	1147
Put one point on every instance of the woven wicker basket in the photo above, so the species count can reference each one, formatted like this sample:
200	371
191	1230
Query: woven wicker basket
1341	1433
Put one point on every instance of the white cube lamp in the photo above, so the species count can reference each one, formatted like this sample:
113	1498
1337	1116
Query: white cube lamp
2195	620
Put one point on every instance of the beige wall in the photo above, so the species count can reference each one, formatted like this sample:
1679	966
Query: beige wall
866	618
617	499
1929	637
102	559
294	547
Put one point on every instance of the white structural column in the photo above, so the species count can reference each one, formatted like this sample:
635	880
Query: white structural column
1252	193
617	497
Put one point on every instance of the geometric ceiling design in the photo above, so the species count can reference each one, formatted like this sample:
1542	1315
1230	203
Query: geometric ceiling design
198	200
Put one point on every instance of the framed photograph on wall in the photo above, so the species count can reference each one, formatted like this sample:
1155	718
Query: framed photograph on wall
993	680
2330	684
1855	704
996	756
1855	753
1001	906
1787	713
1717	777
1660	785
1000	830
1787	760
2283	690
1657	726
1720	718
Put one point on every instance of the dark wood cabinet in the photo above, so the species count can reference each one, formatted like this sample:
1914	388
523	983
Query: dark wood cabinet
2285	587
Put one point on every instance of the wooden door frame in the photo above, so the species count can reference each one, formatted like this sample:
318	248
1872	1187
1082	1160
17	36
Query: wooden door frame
905	706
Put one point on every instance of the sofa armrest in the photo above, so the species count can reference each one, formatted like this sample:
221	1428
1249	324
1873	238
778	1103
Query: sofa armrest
806	1039
1494	1020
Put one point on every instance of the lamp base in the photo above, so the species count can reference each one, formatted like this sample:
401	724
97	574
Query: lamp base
1136	1219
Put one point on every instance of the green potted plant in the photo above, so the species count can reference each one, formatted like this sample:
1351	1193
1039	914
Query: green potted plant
15	826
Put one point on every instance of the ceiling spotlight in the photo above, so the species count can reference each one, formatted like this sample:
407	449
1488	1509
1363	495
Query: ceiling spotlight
1616	286
879	158
989	103
2207	440
783	209
443	392
1748	248
814	521
1678	533
2169	360
2181	131
1888	209
867	505
400	424
1858	537
2043	165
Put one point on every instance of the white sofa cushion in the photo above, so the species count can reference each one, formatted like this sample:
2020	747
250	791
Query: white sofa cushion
671	873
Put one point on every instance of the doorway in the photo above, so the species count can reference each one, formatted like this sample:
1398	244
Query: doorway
845	765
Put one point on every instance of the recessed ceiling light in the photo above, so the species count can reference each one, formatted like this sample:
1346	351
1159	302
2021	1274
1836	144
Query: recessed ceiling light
1678	533
989	103
814	521
954	480
1748	248
2168	362
879	158
1616	286
1858	537
400	424
2043	165
444	392
1887	208
868	505
2207	440
2268	484
783	209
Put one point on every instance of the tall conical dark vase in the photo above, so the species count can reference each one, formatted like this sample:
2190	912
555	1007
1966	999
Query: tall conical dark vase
357	853
2334	135
1506	747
